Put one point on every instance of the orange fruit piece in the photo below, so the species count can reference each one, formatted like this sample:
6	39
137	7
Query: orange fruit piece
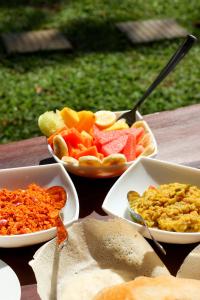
86	120
105	118
89	151
70	117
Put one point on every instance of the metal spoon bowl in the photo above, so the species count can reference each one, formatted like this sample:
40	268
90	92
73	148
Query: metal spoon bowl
140	220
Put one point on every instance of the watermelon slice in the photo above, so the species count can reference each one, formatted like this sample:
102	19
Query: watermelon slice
130	148
139	133
104	137
115	146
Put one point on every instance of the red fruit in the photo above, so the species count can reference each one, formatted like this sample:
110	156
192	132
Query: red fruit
130	148
140	132
115	146
103	137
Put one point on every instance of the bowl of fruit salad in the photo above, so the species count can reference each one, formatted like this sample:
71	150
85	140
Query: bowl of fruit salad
96	145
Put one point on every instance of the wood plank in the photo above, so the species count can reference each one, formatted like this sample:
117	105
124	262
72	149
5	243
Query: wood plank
31	41
23	153
151	30
177	134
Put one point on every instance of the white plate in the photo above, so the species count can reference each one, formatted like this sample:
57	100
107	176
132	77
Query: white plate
138	177
46	176
104	171
9	284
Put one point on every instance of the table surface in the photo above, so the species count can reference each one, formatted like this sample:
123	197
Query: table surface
177	135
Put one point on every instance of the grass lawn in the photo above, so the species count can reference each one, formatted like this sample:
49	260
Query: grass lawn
103	72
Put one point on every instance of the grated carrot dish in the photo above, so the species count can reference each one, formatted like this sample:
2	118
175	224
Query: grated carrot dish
28	210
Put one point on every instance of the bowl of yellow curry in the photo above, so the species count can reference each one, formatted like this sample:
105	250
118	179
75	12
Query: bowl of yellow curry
166	195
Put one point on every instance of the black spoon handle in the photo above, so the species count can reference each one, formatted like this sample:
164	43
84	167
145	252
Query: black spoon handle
175	59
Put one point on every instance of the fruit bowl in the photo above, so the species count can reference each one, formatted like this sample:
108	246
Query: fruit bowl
111	166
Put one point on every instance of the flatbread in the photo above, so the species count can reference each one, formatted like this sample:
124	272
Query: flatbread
98	254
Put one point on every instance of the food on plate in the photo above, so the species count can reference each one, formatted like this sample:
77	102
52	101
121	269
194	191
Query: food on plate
99	253
49	122
172	207
89	160
70	117
70	160
120	124
158	288
114	159
100	134
105	118
28	210
86	120
59	146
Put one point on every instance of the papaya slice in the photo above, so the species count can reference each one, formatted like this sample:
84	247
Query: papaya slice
89	151
73	137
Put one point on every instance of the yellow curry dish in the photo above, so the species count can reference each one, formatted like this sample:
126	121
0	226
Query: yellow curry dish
171	207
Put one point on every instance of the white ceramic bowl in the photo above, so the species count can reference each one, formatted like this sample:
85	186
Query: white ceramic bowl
46	176
138	177
104	171
9	283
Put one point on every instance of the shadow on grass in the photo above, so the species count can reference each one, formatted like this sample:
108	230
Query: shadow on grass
35	3
19	22
87	35
91	35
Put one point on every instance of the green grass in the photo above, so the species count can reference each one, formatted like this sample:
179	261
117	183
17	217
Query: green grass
103	72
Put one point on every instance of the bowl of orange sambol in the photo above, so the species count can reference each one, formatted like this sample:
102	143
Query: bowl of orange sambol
31	199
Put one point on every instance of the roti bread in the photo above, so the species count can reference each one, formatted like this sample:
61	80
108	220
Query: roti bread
98	254
159	288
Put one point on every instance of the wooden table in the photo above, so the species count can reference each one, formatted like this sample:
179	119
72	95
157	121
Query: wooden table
178	138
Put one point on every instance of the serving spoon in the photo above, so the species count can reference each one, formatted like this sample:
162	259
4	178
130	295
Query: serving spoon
140	220
61	240
130	116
